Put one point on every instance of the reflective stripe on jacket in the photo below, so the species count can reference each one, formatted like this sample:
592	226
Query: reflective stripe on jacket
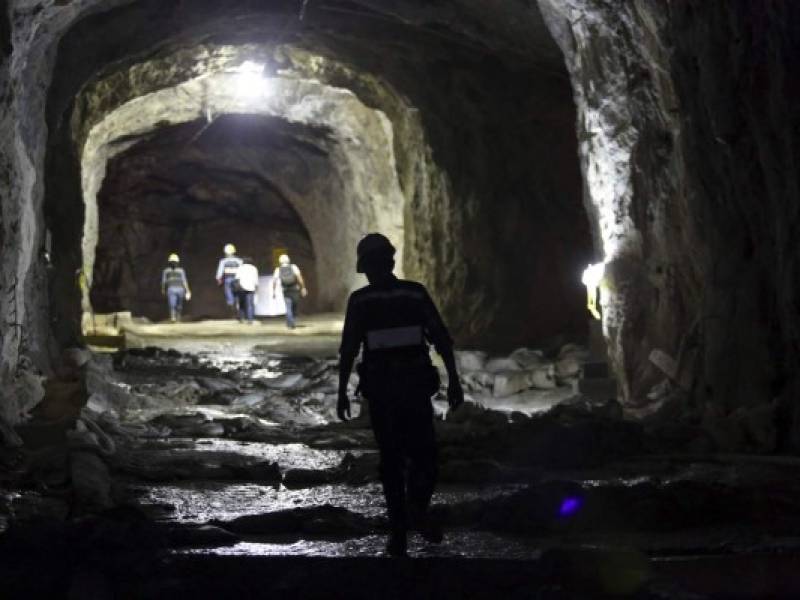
227	266
174	278
392	318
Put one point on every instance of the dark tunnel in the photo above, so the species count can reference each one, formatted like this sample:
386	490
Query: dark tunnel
595	203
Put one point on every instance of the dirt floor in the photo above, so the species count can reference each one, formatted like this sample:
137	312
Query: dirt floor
315	335
206	454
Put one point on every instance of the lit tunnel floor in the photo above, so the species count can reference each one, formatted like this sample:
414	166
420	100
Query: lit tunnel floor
315	335
233	452
235	430
246	440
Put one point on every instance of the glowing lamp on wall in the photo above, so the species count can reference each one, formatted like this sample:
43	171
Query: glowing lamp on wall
250	81
593	278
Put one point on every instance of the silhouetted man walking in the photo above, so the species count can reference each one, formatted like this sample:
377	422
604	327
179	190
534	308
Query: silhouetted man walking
395	320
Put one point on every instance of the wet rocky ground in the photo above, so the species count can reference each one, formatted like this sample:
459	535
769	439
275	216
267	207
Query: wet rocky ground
181	467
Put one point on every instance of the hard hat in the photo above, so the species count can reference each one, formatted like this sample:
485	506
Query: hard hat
230	249
283	259
372	244
173	258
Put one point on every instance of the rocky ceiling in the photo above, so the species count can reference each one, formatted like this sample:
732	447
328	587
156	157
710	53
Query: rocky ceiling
195	171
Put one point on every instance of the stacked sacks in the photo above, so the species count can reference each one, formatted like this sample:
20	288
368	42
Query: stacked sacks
522	370
570	362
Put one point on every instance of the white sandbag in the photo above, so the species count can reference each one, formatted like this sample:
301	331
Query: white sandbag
568	367
527	358
543	377
477	381
508	383
470	360
498	365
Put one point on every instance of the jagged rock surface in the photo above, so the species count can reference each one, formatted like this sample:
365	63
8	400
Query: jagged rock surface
688	144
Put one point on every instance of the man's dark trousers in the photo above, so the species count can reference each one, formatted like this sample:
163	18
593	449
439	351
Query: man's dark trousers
402	420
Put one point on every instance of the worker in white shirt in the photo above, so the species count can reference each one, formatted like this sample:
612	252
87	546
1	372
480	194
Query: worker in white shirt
246	284
291	280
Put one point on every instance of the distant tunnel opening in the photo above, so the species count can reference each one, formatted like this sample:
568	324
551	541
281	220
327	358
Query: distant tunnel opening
190	189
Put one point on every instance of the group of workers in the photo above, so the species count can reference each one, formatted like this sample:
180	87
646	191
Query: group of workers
239	280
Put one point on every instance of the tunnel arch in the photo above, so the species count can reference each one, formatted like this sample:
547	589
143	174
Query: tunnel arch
358	138
188	189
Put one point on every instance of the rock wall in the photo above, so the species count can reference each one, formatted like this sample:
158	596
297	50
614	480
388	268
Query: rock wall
689	139
23	322
8	359
496	225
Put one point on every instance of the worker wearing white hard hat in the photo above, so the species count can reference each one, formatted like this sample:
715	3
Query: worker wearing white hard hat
175	286
226	275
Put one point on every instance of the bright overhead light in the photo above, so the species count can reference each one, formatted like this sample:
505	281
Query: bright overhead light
250	80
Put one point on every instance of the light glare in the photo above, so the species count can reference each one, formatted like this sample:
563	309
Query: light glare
569	506
593	275
250	81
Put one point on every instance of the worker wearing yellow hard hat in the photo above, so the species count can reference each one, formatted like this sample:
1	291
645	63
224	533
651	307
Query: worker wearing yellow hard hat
175	286
226	276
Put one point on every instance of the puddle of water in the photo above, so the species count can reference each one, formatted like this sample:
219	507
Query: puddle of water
200	502
288	456
457	544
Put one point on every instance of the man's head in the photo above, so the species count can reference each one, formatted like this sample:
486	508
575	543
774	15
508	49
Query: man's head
173	259
283	260
229	249
375	255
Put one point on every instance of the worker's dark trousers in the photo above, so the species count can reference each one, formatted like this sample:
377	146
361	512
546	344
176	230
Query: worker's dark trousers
403	427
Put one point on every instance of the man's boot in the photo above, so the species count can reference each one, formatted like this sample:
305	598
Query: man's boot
431	530
428	527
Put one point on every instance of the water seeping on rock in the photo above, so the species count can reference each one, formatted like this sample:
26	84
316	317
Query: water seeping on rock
502	148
